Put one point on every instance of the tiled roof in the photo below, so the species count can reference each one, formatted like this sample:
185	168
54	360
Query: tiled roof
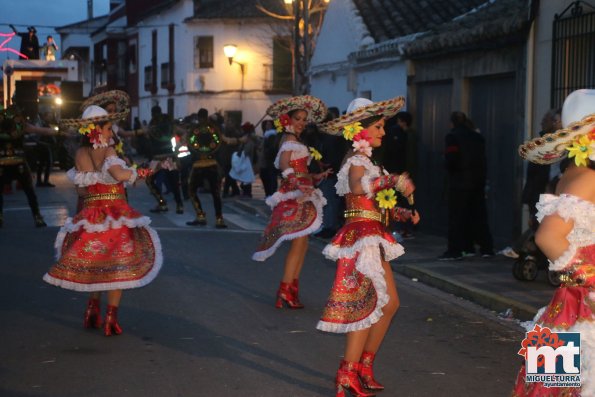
389	19
499	21
235	9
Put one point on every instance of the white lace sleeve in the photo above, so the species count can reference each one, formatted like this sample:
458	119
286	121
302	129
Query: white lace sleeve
299	150
570	208
112	161
370	173
83	179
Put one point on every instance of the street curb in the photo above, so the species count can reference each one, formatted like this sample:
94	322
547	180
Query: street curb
486	299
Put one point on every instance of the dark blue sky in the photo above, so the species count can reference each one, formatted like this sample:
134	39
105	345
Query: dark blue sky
44	15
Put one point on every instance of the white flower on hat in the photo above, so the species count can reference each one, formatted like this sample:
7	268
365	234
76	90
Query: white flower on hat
362	146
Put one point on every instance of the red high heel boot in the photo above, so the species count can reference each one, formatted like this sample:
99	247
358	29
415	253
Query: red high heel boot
285	294
92	314
295	288
348	379
366	373
111	321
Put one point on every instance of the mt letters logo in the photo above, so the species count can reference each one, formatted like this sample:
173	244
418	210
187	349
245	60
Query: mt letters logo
553	358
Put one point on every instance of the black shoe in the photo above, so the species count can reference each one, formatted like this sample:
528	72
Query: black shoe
449	256
200	220
39	222
159	208
220	223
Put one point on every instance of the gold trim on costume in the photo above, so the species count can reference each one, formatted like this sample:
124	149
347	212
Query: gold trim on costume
104	196
375	216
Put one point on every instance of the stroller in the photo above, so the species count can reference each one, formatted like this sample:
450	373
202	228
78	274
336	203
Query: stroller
531	260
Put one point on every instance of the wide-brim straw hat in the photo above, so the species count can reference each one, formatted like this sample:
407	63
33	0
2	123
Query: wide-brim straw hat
360	109
120	98
578	119
92	114
315	108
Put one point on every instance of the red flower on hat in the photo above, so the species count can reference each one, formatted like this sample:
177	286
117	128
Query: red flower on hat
285	120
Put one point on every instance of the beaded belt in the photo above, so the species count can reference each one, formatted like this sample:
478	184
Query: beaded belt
578	276
375	216
302	175
104	196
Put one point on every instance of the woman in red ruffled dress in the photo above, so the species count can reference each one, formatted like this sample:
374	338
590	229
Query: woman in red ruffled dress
107	245
297	205
364	296
566	235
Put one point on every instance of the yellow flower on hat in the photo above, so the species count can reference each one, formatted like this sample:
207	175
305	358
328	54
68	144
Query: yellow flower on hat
119	148
580	149
86	129
386	198
316	155
352	130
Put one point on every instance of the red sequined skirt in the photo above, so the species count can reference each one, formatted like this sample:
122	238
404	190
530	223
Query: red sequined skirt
359	289
293	216
106	246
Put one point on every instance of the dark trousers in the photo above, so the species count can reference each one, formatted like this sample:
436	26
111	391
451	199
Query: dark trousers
172	180
468	222
22	174
211	175
44	162
269	180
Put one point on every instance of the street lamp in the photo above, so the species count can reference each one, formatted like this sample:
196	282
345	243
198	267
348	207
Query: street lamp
230	51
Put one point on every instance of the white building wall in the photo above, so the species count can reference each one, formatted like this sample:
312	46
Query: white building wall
343	32
335	78
331	88
218	88
384	82
80	40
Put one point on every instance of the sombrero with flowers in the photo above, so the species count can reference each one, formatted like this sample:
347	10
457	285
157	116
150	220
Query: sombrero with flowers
315	108
120	98
577	138
361	110
93	117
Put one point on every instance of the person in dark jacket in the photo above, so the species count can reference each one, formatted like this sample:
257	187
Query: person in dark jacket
466	165
29	43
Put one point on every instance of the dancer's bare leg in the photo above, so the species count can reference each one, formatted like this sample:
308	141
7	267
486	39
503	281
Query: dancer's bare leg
378	330
295	259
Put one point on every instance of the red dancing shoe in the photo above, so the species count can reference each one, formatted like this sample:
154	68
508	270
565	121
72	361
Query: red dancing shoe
285	295
111	325
92	314
366	373
348	380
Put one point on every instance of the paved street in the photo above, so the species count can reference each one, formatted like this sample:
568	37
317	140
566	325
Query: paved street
207	326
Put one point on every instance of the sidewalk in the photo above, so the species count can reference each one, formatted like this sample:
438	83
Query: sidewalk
486	281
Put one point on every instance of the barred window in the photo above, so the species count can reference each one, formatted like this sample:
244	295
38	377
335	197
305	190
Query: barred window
203	52
573	51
